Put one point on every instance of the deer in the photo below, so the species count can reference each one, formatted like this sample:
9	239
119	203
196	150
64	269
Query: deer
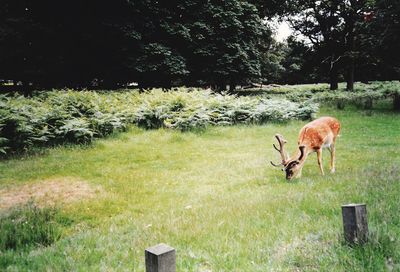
313	137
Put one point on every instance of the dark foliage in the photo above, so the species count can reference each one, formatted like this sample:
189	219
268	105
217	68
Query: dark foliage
52	44
108	44
355	40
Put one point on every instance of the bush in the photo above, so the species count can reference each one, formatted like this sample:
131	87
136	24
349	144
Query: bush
185	110
28	226
364	95
58	117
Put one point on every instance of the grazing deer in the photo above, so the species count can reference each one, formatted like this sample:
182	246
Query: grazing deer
313	137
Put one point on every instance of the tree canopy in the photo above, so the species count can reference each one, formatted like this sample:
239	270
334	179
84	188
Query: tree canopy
349	35
154	43
52	44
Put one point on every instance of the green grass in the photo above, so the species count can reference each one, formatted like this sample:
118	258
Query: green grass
28	225
214	197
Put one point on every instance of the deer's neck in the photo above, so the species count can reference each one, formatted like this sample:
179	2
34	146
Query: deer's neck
297	154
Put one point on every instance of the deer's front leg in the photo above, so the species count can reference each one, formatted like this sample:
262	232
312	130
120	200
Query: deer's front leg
299	173
319	156
332	150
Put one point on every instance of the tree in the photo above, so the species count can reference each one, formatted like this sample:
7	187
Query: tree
301	63
155	43
70	43
272	68
333	28
270	8
160	61
227	38
291	62
381	40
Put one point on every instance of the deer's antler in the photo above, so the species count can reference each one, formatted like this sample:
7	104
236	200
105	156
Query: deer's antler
281	150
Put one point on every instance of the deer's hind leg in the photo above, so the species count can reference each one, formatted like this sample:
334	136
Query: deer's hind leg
332	149
319	156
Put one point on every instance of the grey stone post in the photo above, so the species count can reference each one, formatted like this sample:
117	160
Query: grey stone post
160	258
355	223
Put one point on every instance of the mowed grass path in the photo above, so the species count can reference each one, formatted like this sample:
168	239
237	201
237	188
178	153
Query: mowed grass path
214	197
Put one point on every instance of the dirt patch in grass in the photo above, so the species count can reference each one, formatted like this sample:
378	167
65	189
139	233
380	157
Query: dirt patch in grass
49	192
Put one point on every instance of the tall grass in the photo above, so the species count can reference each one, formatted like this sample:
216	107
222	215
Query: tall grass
28	226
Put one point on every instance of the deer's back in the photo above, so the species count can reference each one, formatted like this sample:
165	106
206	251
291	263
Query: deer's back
320	132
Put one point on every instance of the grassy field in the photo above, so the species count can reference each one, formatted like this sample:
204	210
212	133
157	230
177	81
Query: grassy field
214	197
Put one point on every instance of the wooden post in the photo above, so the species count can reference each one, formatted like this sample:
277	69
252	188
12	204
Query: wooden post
160	258
355	223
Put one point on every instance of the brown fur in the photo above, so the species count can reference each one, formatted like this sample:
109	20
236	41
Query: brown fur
313	137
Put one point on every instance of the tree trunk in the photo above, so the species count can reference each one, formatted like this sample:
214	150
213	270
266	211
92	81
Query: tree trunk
220	87
350	76
396	101
351	64
333	78
26	88
350	50
232	87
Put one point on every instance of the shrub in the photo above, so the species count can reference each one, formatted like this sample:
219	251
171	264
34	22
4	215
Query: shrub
365	95
186	110
58	117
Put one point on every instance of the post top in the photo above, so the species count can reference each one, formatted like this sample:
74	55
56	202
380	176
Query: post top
160	249
351	205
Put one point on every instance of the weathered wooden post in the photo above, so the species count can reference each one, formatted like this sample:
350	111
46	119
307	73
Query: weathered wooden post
355	223
160	258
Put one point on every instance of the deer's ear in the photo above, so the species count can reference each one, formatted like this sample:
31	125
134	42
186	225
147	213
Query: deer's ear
302	148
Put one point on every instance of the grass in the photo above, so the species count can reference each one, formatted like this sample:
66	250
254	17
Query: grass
27	226
214	197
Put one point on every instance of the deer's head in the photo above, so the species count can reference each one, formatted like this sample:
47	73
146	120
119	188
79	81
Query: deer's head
293	166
